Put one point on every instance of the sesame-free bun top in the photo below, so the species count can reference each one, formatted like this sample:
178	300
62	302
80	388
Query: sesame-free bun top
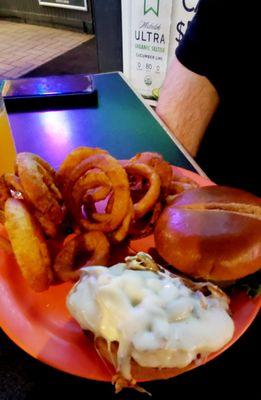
212	233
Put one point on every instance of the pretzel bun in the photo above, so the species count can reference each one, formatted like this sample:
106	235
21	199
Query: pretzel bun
212	233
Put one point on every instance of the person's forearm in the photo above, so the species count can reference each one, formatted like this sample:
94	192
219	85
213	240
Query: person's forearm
187	103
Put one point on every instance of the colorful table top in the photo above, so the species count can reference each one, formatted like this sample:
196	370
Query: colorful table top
121	123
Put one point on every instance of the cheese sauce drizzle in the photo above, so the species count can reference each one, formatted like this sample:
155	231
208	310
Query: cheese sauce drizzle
157	319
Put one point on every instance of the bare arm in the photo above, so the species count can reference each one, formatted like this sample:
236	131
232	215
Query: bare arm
187	103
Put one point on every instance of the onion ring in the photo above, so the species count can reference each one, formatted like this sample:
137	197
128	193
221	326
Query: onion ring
49	227
28	244
2	217
14	186
5	245
94	242
4	192
150	198
38	186
120	188
71	161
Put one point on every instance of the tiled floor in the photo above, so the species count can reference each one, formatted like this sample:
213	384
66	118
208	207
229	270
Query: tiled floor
25	47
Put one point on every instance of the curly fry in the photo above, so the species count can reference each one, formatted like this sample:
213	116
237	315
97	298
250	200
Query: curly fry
144	226
97	182
180	184
71	161
121	233
94	242
150	198
160	166
120	188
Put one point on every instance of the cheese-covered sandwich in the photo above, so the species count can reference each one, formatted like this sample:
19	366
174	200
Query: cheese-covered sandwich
147	321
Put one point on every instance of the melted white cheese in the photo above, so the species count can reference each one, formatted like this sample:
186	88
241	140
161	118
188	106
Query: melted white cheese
157	320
